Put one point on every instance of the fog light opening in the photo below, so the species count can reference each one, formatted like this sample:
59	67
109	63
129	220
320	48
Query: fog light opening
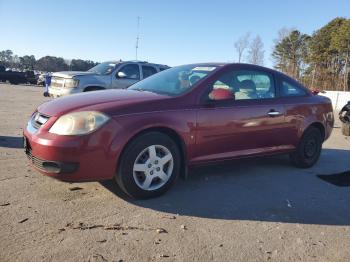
51	167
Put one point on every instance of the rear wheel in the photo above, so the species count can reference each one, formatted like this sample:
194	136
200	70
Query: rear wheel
346	129
149	165
309	148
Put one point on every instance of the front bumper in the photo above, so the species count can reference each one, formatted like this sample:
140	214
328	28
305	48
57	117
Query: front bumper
49	166
72	158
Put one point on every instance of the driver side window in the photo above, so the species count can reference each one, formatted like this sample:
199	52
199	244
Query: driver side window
254	85
243	85
131	71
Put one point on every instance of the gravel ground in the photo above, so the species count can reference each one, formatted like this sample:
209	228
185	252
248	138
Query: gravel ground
251	210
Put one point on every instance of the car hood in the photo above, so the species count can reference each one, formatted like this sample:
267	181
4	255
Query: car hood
70	74
98	100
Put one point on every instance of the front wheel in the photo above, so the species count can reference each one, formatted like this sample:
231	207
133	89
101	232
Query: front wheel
309	149
149	165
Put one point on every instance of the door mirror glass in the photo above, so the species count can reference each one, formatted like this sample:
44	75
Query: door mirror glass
121	74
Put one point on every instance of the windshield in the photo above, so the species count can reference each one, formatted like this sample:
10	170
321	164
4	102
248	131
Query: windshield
103	68
174	81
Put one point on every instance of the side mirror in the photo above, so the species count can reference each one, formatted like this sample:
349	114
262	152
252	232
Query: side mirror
121	74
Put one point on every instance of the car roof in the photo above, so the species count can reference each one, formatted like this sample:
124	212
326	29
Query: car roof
222	64
276	72
135	61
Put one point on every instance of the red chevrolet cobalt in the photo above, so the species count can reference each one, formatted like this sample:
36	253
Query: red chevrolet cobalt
145	136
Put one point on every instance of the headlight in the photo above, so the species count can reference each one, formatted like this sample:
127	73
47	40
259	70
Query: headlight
78	123
70	83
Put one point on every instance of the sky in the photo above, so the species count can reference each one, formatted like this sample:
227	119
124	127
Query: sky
171	32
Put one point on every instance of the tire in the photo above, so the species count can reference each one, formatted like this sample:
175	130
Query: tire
309	149
143	176
345	129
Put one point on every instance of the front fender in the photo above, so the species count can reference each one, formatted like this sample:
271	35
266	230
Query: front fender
88	81
129	126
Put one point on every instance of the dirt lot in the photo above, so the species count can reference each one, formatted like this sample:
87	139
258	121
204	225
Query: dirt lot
251	210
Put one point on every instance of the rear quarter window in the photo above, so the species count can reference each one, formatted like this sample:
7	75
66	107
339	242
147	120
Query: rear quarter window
290	90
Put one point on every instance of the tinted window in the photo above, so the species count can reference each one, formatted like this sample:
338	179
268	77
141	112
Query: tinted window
131	71
246	84
148	71
289	89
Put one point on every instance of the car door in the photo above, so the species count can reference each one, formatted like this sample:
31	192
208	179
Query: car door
126	75
251	122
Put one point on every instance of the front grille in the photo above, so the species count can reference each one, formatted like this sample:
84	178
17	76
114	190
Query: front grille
38	163
57	82
39	119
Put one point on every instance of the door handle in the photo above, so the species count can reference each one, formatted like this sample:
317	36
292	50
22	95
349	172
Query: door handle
273	113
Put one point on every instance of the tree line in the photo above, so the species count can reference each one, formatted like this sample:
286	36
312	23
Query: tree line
320	60
46	63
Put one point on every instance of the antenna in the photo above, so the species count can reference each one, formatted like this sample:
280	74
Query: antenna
137	37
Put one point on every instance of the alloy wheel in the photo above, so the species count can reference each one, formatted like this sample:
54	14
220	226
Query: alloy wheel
153	167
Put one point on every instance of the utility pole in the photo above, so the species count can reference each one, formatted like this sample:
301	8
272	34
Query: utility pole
138	36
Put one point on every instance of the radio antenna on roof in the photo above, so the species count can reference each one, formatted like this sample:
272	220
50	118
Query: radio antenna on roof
138	36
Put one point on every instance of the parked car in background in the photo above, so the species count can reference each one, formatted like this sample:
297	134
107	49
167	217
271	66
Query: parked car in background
31	78
16	77
13	77
148	134
107	75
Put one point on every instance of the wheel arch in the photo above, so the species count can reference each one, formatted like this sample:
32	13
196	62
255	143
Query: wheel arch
94	87
320	127
175	136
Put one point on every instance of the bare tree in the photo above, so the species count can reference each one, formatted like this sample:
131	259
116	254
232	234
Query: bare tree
256	51
242	44
283	33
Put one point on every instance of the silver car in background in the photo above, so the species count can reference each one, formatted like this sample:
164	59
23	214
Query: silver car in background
107	75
